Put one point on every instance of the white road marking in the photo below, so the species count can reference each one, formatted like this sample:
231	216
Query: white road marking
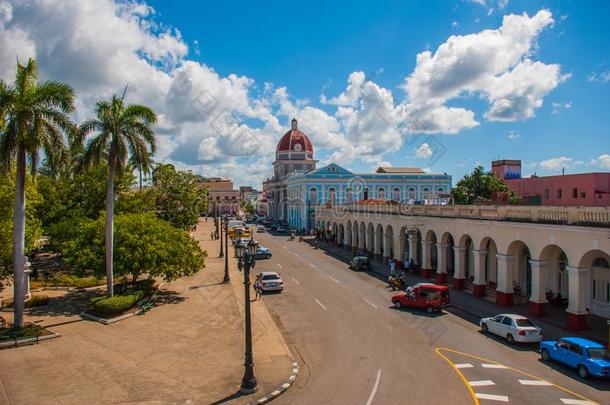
492	365
295	280
569	401
295	254
481	383
334	279
369	302
464	365
320	304
375	386
312	265
534	382
280	266
501	398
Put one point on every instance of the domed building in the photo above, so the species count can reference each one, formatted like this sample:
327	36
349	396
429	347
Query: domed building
298	187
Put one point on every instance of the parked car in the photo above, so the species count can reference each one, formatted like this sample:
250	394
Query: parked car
430	297
588	357
280	229
260	229
512	327
262	253
241	241
271	281
360	263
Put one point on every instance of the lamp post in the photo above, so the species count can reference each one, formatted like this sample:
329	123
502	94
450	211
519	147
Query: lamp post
246	260
220	226
226	278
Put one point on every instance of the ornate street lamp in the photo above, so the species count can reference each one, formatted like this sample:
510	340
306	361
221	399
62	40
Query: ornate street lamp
246	260
220	226
226	278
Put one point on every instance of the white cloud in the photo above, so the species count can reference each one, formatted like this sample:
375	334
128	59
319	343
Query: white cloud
455	25
559	106
559	163
494	63
602	161
489	4
602	77
423	151
513	136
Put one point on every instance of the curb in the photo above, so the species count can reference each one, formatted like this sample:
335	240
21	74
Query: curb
281	389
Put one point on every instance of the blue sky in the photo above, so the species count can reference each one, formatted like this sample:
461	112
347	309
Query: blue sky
283	56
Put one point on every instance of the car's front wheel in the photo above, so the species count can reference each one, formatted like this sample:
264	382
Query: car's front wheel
397	304
484	328
545	355
583	371
430	310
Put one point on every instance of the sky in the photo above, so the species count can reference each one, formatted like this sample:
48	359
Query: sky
440	84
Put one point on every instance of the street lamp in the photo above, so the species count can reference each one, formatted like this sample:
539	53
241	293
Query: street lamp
226	278
220	226
246	260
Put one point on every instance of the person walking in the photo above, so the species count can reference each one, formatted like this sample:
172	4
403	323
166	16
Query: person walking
258	289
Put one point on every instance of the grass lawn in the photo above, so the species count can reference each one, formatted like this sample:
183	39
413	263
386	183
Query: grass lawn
30	330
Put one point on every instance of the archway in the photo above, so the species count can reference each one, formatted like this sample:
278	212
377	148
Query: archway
597	292
388	243
378	242
341	235
348	234
521	268
491	261
370	239
431	239
449	244
362	238
467	244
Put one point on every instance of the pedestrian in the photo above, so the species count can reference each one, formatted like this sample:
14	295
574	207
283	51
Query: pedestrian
212	235
258	289
392	267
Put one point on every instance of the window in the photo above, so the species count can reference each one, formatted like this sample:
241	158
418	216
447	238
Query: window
381	194
525	323
396	196
411	193
574	193
331	196
507	321
365	194
313	195
559	193
497	319
583	195
546	194
426	193
348	195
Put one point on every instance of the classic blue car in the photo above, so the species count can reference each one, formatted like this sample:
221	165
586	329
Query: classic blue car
263	253
589	358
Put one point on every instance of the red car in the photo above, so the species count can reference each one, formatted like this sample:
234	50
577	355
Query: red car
430	297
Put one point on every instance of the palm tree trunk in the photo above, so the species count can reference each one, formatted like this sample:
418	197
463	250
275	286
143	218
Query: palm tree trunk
110	226
19	240
140	179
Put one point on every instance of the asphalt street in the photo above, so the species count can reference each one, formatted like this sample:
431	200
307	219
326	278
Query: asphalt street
355	348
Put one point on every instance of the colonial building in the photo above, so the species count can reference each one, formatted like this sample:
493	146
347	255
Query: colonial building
223	198
297	187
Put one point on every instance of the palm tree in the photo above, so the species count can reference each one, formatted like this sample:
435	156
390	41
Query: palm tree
34	117
144	166
120	131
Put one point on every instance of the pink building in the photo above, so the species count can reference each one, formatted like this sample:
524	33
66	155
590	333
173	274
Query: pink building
585	189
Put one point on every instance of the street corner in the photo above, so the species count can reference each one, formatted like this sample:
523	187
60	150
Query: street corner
489	381
280	389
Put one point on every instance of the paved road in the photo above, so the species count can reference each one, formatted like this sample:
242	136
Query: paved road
355	349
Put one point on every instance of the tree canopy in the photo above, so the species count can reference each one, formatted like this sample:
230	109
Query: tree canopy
478	185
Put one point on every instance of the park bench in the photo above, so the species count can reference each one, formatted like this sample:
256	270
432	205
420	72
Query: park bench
145	304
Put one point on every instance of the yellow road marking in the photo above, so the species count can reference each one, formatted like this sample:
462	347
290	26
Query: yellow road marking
438	351
457	370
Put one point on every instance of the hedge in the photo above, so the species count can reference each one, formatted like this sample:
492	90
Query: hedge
112	306
35	301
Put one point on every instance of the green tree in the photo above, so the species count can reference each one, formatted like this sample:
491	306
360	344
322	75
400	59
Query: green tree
180	200
120	131
34	117
478	185
144	244
143	164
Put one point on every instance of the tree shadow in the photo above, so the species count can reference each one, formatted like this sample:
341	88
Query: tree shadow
228	398
70	304
168	297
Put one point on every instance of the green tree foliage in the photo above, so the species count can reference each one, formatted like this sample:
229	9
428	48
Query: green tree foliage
144	244
33	228
478	185
180	200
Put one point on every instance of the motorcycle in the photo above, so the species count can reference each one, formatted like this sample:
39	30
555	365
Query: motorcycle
396	283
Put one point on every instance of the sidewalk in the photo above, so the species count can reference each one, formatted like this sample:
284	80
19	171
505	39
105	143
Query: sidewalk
187	349
479	308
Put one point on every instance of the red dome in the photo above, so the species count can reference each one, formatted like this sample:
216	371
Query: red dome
294	141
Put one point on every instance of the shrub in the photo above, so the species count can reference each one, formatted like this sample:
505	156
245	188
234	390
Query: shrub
112	306
35	301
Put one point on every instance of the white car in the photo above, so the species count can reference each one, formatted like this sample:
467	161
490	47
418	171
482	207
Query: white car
260	229
515	328
271	281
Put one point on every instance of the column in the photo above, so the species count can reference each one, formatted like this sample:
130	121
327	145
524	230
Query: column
479	283
354	238
577	298
386	247
413	248
401	251
426	248
537	302
441	267
459	276
377	243
504	289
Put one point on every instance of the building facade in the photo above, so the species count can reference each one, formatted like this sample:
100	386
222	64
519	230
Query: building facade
297	187
223	198
583	189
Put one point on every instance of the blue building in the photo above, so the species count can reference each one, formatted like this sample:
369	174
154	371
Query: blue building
297	187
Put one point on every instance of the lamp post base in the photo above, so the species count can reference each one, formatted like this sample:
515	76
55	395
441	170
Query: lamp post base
247	391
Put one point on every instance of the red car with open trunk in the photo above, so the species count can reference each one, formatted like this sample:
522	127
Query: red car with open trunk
430	297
